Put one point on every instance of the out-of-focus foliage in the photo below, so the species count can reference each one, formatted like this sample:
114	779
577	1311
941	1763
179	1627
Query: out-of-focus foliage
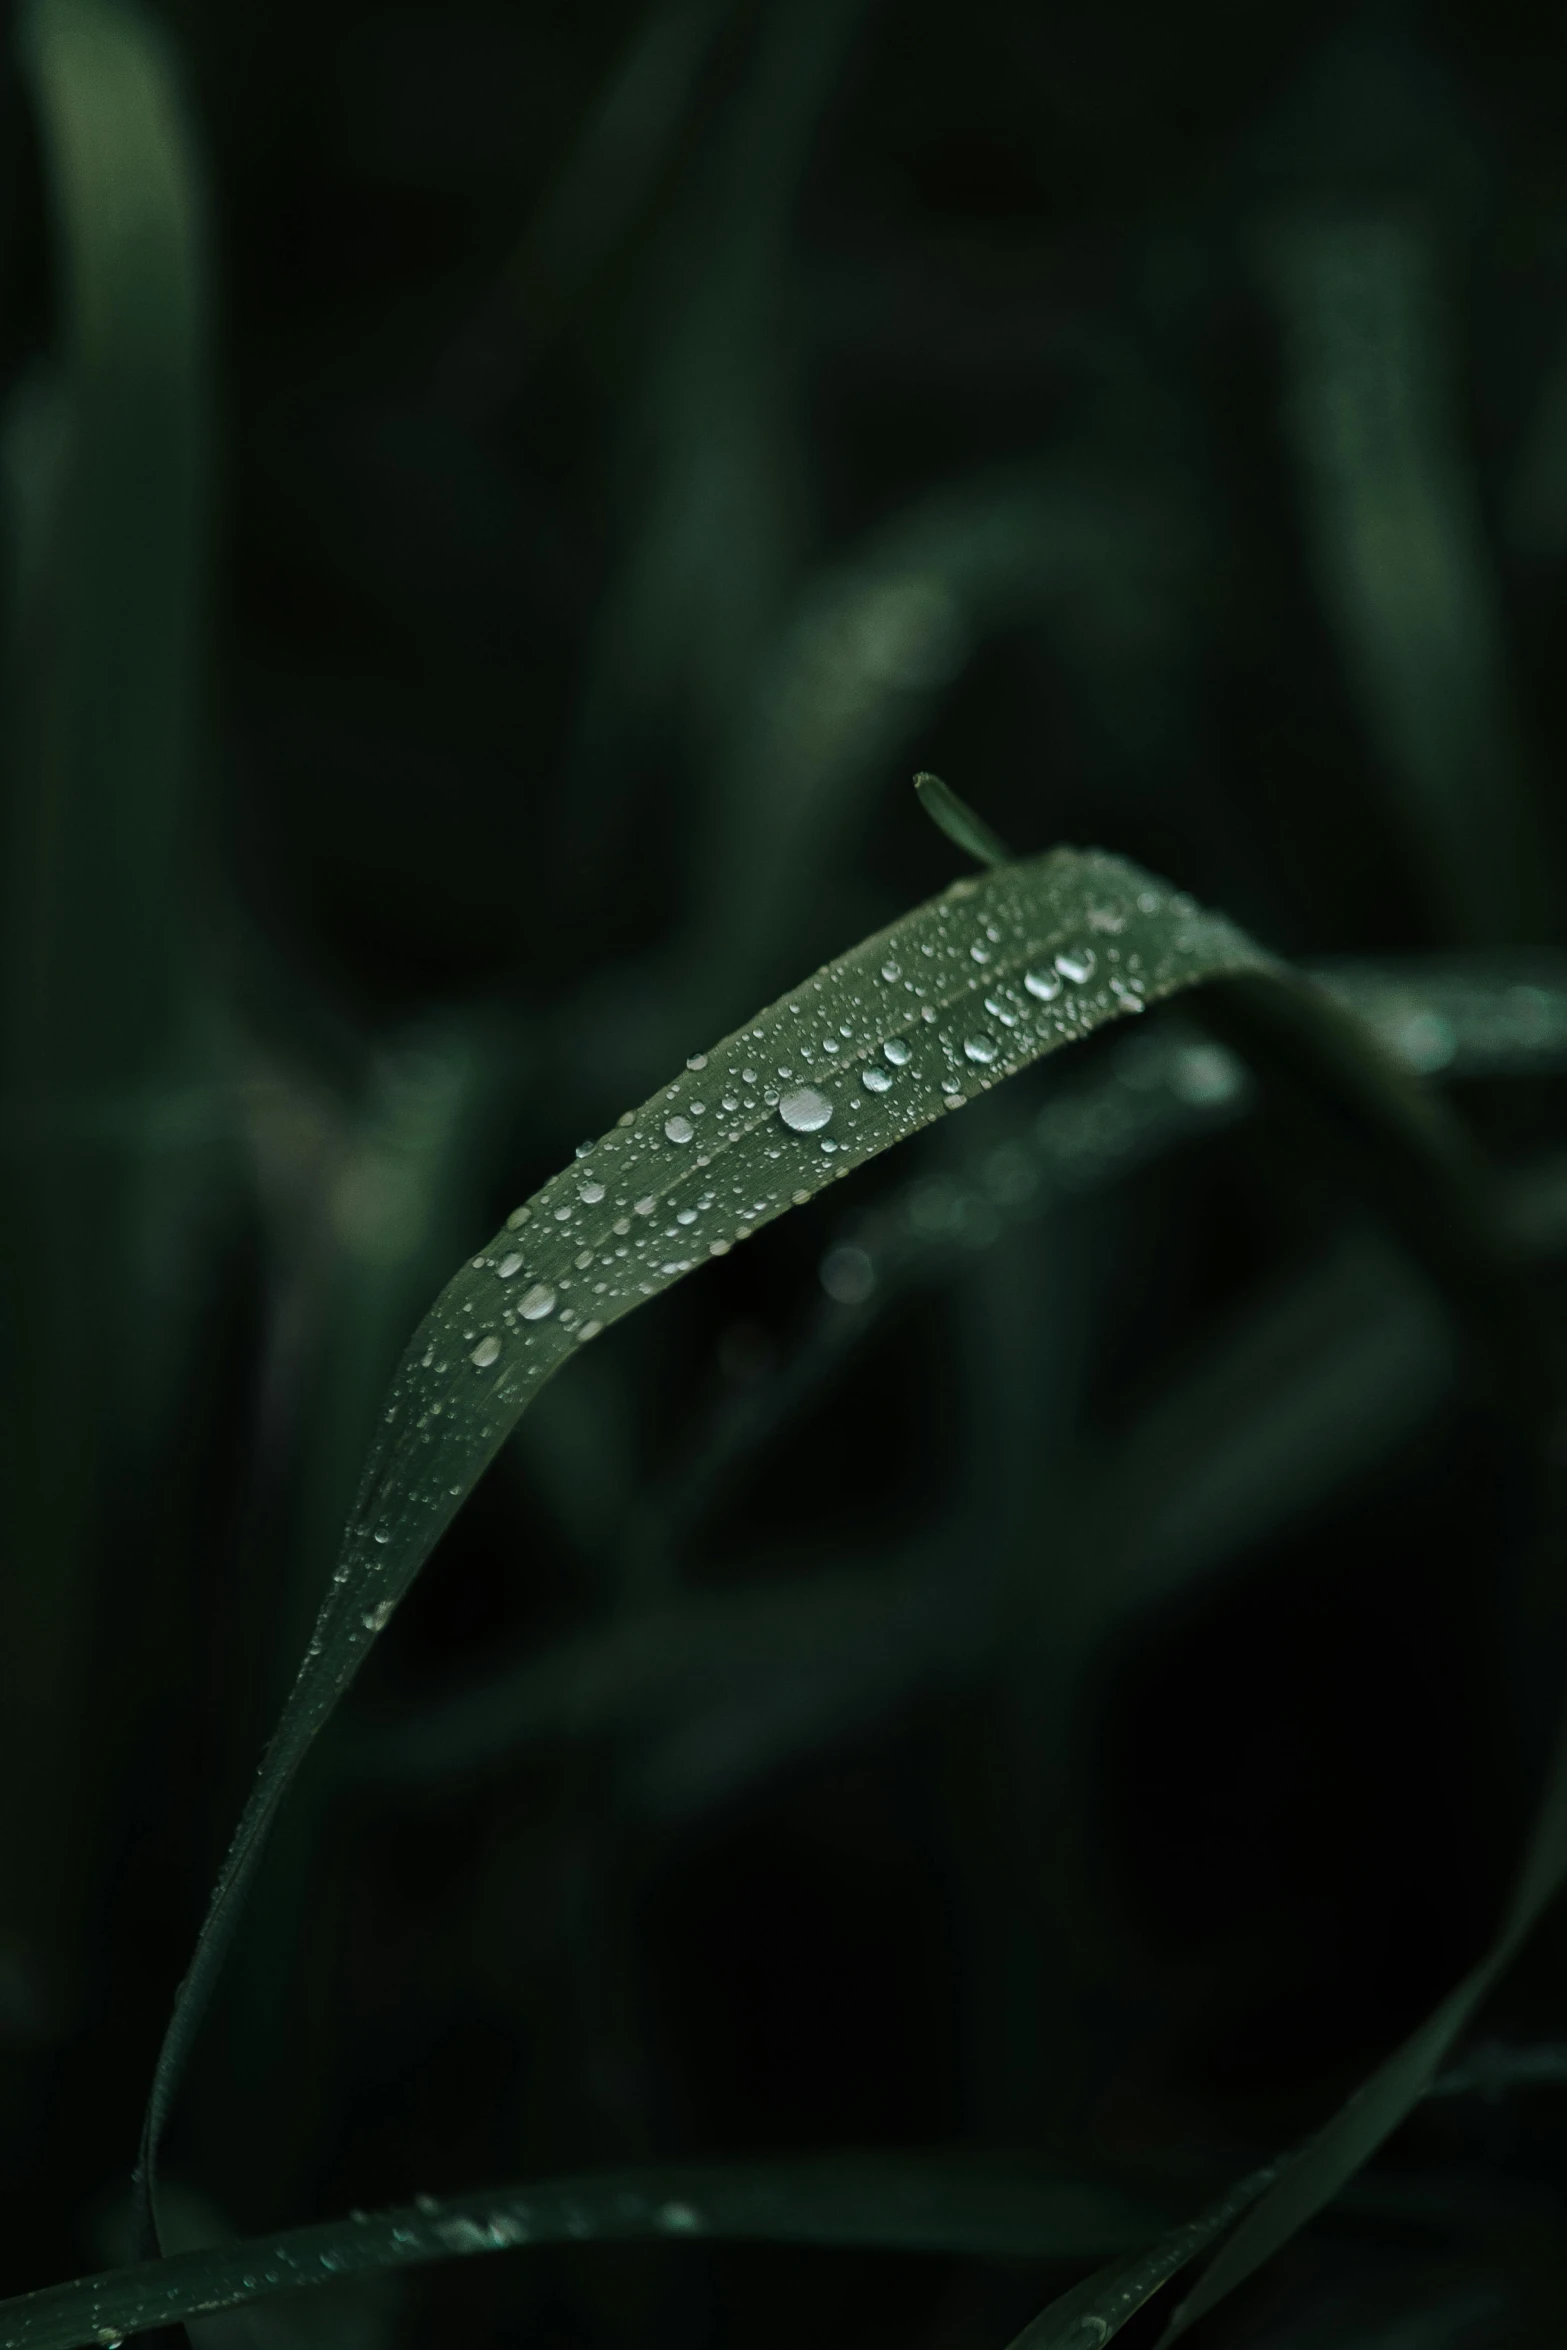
1050	1652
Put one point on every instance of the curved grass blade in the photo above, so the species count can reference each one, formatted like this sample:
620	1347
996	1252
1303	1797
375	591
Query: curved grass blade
1101	2305
913	1022
1007	2209
958	821
1311	2178
1274	2204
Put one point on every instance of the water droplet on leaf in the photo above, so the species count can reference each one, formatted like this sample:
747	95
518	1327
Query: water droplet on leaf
805	1111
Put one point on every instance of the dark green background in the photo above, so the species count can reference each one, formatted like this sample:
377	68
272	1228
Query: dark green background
596	537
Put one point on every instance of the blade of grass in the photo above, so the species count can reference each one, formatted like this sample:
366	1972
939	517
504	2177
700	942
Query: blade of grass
1402	556
1280	2201
1002	2208
917	1019
958	821
1311	2178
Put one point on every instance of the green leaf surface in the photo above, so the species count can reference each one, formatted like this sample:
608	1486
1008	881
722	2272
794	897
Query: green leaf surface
909	1025
958	2204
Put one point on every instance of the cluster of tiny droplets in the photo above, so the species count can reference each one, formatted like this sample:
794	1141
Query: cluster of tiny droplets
917	1021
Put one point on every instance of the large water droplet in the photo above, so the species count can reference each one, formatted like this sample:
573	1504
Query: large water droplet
696	1061
875	1079
805	1111
890	972
981	1049
486	1352
679	1129
537	1302
509	1265
1046	985
517	1218
1076	964
898	1051
590	1194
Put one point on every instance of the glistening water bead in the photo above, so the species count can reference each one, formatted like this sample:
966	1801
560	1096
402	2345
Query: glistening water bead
805	1111
1045	985
1076	964
875	1079
679	1129
981	1049
537	1303
486	1352
898	1051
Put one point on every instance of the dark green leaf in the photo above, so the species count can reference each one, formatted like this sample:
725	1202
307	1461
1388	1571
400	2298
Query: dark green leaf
1003	2209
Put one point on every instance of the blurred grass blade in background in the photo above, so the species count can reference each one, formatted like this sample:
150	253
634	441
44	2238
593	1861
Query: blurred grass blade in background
104	1015
958	821
1403	562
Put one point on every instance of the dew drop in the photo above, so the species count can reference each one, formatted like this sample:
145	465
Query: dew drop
509	1265
1076	964
588	1330
486	1352
980	954
891	971
1045	985
805	1111
517	1218
981	1049
538	1302
590	1194
646	1205
679	1129
875	1079
898	1051
696	1061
